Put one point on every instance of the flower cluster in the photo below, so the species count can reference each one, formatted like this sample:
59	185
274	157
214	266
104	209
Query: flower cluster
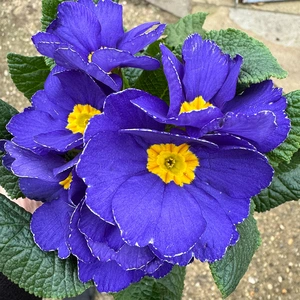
132	185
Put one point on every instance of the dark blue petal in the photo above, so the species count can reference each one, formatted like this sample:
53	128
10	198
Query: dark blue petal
41	102
197	118
258	128
59	140
173	70
218	232
109	58
108	276
78	26
247	171
30	165
162	271
97	230
77	242
205	68
47	43
105	175
50	226
25	126
38	189
137	40
163	207
81	88
101	250
225	139
228	89
263	97
112	26
119	112
132	257
70	59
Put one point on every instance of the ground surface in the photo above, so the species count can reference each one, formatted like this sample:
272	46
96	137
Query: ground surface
275	270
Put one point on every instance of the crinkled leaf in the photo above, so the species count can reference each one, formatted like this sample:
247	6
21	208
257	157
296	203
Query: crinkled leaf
178	32
228	272
49	11
258	65
155	83
130	76
169	287
40	273
291	145
28	73
6	112
284	187
10	182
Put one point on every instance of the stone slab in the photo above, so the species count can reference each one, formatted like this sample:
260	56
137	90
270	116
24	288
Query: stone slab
280	37
179	8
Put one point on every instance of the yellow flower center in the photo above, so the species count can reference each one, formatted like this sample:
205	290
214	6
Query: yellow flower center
172	163
197	104
66	182
90	56
79	117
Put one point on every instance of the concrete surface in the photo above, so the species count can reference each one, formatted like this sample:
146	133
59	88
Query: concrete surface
177	8
275	270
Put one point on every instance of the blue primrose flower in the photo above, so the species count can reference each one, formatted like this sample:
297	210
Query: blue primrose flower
202	97
105	258
41	177
59	113
179	196
91	37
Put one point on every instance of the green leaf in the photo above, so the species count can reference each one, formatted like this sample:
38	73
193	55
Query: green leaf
28	73
10	182
291	145
130	76
6	112
21	260
155	83
169	287
258	65
284	187
178	32
228	272
49	12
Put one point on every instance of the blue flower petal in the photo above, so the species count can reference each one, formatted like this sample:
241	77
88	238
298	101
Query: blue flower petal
59	140
263	97
228	89
38	189
119	112
132	257
110	58
77	241
137	39
163	207
258	128
47	43
30	165
173	70
25	126
112	26
162	271
84	34
108	276
50	226
247	171
205	66
81	88
70	59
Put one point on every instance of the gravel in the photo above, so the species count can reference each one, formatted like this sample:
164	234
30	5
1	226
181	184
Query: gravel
275	270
